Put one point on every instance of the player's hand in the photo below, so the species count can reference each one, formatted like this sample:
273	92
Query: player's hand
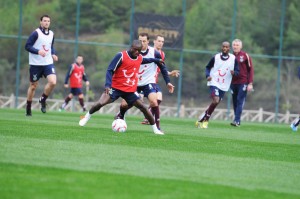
87	83
174	73
55	58
66	85
107	91
161	61
250	88
42	53
170	87
208	78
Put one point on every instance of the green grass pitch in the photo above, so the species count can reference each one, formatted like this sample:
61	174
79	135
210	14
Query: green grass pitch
51	156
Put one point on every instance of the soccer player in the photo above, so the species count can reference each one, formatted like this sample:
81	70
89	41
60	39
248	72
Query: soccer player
242	83
147	79
158	45
41	56
295	123
76	74
219	72
121	81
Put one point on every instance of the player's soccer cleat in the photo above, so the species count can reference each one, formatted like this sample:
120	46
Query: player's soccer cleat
118	116
43	106
145	121
293	127
158	132
197	124
201	125
204	124
234	123
28	112
83	120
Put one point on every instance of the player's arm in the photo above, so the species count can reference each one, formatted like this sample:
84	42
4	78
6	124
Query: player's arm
162	67
70	70
114	64
150	60
236	70
250	69
53	52
85	77
208	67
30	42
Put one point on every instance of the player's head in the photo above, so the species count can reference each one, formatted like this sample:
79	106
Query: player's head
144	38
237	45
135	48
79	59
159	42
45	21
225	47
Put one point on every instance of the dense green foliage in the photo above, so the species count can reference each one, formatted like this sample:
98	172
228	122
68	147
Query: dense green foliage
107	25
51	156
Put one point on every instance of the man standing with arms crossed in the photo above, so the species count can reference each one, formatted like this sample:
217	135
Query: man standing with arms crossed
242	83
41	57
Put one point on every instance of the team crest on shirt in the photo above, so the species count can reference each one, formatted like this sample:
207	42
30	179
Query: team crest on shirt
34	78
130	81
241	58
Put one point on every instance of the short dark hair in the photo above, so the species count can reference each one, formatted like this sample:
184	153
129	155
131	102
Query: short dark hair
144	34
47	16
158	36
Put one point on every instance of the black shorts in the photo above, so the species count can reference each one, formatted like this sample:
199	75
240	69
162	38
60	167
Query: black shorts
129	97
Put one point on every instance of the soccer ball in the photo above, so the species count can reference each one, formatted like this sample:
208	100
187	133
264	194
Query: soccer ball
119	125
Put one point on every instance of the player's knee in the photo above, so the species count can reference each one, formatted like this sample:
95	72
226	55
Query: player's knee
33	86
123	105
52	83
153	103
216	101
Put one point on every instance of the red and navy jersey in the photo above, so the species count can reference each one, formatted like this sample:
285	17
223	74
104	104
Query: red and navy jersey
125	77
246	74
162	54
76	74
122	72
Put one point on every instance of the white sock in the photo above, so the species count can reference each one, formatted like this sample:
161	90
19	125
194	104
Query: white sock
154	127
88	115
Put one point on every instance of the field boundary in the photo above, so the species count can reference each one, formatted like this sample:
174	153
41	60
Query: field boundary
185	112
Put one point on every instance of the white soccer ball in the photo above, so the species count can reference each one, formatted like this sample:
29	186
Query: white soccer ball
119	125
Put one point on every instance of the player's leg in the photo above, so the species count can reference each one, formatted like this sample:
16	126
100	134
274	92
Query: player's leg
123	109
139	104
216	95
144	121
152	97
49	73
67	99
240	102
104	99
234	94
30	93
295	124
35	73
81	101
